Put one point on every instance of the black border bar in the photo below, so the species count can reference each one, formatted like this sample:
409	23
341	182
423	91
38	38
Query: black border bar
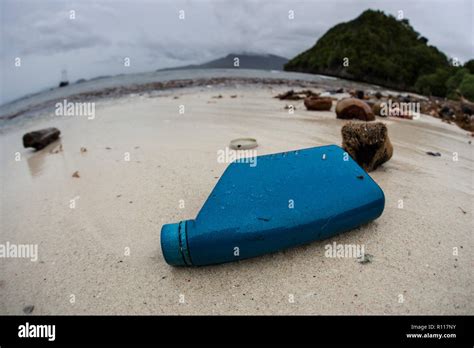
221	330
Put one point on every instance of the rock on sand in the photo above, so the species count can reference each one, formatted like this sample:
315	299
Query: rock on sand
318	103
367	143
350	108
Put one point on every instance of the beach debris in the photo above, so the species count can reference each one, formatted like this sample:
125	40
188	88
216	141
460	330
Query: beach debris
397	112
108	148
318	103
365	258
287	107
234	96
28	309
76	174
435	154
367	143
175	97
384	109
336	91
377	107
446	113
457	112
298	95
243	144
290	95
359	94
404	98
246	199
218	96
83	149
463	211
40	138
350	108
378	95
467	109
64	80
57	149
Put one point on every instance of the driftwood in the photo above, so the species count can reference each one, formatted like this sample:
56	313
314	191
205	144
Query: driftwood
292	95
41	138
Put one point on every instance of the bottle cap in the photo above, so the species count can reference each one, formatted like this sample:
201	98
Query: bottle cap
174	244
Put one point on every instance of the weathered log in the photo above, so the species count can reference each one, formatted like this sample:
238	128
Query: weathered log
41	138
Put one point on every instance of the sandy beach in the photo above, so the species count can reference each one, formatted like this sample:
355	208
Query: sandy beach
103	256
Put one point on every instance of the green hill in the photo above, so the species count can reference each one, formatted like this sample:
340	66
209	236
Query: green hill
381	50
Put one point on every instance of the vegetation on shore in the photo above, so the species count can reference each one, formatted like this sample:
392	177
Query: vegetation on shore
379	49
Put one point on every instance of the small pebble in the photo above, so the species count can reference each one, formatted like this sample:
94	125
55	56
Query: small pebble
28	309
366	258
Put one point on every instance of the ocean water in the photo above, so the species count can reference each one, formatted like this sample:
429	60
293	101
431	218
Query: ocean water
94	85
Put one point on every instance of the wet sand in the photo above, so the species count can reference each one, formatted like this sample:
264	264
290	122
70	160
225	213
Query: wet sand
105	253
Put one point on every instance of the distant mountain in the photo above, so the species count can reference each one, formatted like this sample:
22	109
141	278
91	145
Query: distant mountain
379	49
246	61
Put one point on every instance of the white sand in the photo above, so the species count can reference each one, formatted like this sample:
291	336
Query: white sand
174	157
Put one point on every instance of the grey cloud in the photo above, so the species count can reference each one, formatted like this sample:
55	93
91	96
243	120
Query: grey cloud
151	33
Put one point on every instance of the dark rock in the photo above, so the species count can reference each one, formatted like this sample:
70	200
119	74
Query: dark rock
28	309
360	94
365	258
289	95
367	143
404	98
378	95
446	113
41	138
376	107
351	108
63	83
298	95
318	103
467	109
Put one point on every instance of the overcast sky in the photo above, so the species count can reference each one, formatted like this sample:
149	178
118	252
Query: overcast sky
151	33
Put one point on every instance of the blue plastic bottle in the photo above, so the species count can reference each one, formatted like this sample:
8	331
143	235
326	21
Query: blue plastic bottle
286	199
